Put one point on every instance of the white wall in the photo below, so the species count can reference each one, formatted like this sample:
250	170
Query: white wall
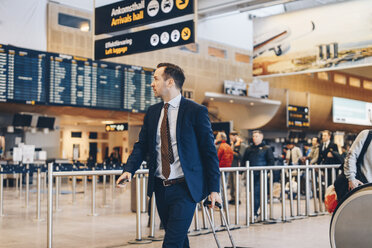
234	30
23	23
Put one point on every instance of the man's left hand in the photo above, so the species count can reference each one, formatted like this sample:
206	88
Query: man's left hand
330	155
215	197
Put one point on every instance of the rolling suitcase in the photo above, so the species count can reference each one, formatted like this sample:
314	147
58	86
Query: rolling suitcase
205	205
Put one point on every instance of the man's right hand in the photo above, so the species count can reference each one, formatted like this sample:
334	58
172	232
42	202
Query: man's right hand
354	183
125	175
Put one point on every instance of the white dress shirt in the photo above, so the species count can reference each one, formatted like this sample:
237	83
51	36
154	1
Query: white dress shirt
175	168
325	145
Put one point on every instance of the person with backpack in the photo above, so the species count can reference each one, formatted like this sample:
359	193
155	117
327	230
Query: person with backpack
359	173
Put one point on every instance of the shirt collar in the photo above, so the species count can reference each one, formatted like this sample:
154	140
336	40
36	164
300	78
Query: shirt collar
175	102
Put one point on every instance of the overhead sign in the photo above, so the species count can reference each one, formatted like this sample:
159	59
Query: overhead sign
314	39
131	13
298	116
352	111
144	41
118	127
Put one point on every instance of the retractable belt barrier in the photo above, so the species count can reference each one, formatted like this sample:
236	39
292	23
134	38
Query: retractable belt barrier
290	200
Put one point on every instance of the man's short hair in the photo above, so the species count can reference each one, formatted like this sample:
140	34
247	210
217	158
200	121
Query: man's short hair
327	131
175	72
257	131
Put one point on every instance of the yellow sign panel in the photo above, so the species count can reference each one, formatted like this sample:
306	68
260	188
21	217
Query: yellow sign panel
182	4
186	33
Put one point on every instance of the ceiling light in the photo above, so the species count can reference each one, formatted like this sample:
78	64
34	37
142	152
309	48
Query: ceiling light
84	27
231	101
212	98
107	122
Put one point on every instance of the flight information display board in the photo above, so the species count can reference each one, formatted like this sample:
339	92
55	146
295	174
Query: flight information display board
27	75
36	77
3	71
70	81
138	94
107	85
298	116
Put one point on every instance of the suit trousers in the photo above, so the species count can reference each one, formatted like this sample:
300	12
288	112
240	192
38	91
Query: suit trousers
176	209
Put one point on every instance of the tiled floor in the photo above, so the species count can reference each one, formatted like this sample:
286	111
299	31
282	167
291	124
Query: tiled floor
115	225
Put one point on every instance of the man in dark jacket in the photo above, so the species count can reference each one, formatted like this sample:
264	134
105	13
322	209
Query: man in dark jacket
258	154
328	153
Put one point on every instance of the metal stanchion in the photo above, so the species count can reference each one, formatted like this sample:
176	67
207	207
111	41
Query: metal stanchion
27	185
93	207
333	174
265	196
85	185
112	180
50	206
44	188
224	191
73	189
58	186
314	192
237	196
325	179
298	193
252	197
290	193
20	185
38	199
262	208
196	219
143	194
271	194
307	189
138	239
320	191
152	220
17	182
247	202
1	192
283	195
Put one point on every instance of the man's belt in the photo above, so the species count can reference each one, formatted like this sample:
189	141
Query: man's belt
170	182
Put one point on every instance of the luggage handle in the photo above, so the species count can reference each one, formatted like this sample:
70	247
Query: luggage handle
208	203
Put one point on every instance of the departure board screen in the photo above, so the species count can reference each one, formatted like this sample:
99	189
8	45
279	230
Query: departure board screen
107	85
70	81
27	75
3	71
138	94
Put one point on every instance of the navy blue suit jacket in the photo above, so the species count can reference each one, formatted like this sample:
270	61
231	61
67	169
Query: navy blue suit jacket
195	144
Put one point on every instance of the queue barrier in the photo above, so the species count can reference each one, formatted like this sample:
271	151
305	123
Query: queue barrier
292	175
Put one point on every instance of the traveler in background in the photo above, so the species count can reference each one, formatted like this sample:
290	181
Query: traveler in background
328	153
344	152
224	152
350	165
314	154
258	154
293	154
237	147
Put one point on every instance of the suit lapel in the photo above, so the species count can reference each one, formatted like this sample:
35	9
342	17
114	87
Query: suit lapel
180	115
155	121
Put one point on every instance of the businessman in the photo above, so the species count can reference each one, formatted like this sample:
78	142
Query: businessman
177	142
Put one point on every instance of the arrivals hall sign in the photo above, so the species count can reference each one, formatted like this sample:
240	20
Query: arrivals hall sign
128	14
